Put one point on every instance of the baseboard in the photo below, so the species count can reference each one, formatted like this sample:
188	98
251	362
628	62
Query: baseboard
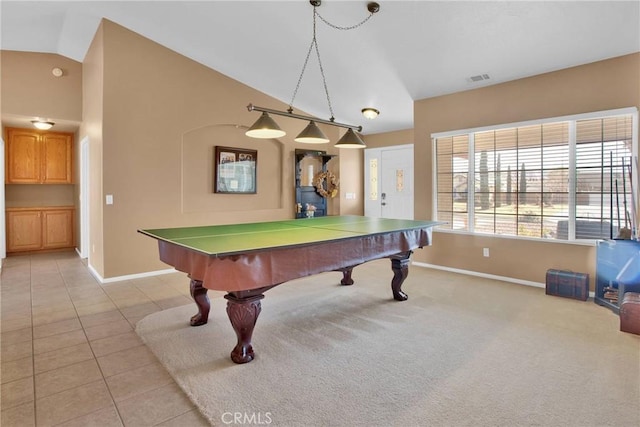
419	264
486	276
80	254
102	280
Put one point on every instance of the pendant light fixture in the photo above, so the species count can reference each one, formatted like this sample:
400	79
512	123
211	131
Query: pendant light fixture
350	140
312	135
266	127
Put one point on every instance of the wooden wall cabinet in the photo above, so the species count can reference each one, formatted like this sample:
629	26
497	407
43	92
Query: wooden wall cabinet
39	229
38	157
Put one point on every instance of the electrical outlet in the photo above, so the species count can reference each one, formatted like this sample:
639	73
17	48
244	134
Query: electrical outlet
485	252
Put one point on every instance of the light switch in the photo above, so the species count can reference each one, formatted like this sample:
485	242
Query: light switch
109	199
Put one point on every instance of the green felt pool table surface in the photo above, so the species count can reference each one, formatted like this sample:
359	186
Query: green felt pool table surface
225	240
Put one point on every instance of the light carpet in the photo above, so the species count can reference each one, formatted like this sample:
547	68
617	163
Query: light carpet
462	351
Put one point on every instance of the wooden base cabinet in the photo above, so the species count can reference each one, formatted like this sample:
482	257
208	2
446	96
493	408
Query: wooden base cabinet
24	230
57	228
39	229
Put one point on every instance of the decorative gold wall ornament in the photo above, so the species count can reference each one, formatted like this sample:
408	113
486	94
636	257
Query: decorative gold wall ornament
327	184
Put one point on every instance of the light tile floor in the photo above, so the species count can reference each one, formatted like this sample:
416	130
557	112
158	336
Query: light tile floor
69	352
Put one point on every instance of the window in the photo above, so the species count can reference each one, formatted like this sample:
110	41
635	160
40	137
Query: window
565	178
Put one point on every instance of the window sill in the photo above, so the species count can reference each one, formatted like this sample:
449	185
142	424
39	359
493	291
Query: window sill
582	242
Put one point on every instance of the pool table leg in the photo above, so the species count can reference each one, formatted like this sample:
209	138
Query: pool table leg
243	314
346	276
400	267
199	295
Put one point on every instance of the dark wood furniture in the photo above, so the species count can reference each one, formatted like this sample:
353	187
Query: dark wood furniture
246	260
630	313
305	191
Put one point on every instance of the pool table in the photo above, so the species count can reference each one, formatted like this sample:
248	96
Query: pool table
246	260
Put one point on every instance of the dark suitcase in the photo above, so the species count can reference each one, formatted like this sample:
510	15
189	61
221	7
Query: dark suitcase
630	313
568	284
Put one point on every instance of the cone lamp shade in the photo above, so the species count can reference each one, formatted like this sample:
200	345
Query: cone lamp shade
312	135
350	140
265	127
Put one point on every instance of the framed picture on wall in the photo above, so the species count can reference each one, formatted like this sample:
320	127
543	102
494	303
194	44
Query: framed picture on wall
235	170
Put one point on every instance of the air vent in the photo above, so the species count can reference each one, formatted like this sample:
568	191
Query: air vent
478	78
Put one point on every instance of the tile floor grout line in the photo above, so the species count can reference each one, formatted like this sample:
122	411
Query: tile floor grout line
33	346
64	270
104	378
95	358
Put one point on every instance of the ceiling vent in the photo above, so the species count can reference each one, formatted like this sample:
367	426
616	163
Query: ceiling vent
478	78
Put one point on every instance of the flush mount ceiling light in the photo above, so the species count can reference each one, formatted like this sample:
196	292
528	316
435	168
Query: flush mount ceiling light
266	127
370	113
42	125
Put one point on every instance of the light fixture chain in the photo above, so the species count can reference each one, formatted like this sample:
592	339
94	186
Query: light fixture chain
373	8
324	81
337	27
265	127
314	42
304	67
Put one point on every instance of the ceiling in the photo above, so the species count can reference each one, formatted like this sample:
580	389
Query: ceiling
409	50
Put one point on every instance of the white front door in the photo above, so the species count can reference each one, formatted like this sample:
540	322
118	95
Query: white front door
389	182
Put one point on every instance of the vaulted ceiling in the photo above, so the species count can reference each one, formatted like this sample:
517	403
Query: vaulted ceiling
407	51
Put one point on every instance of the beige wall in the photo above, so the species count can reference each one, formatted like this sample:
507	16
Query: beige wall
386	139
351	173
91	130
162	114
29	88
36	195
603	85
